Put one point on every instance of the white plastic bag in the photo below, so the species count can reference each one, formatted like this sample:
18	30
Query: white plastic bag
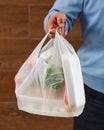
50	81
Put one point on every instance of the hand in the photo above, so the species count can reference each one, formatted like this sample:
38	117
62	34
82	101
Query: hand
57	21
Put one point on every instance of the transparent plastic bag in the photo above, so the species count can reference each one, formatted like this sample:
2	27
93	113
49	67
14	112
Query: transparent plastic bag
50	81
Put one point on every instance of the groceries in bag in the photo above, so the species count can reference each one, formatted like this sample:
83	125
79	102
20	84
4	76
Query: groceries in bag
51	83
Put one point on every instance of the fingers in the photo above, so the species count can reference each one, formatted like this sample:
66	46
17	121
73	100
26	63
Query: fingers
62	31
52	23
61	20
57	21
52	33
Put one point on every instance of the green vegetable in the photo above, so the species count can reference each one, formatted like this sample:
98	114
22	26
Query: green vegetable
54	77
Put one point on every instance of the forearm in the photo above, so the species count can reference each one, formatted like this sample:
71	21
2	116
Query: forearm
70	8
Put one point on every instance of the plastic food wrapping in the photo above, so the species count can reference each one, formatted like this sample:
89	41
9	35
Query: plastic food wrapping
50	81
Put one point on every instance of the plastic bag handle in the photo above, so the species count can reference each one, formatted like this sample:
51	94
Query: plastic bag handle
60	37
38	48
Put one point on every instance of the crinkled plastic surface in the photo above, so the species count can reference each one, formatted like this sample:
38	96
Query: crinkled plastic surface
50	80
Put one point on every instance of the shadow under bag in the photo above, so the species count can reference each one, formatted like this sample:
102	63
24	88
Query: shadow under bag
50	81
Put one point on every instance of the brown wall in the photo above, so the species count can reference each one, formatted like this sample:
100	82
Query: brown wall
21	29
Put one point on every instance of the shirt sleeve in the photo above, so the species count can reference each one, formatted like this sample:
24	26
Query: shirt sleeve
71	8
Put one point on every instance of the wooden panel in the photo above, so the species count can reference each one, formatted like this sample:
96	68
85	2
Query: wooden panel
37	2
17	46
14	52
76	31
37	15
7	88
75	43
13	21
13	119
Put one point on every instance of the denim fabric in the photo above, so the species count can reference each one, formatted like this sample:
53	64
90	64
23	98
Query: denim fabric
92	117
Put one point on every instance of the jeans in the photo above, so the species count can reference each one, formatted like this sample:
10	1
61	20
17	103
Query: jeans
92	117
